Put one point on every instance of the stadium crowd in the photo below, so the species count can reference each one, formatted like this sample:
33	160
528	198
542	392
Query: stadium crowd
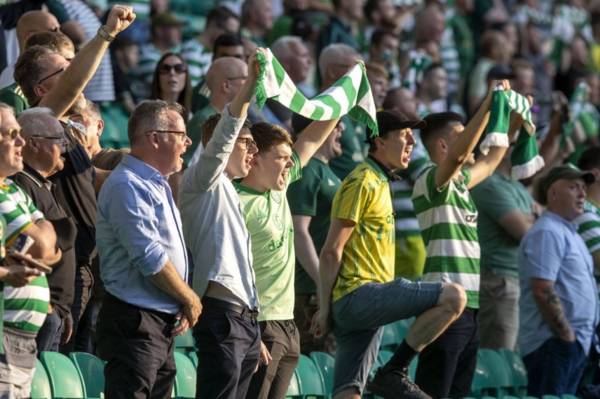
147	190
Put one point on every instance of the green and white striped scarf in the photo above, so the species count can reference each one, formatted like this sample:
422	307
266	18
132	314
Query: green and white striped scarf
419	61
351	94
582	113
525	158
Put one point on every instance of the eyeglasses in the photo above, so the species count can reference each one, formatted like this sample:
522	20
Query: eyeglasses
60	140
248	142
180	134
165	69
51	75
11	134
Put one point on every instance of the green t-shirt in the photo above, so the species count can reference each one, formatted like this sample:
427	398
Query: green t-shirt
194	129
269	223
312	196
495	197
448	220
13	95
353	144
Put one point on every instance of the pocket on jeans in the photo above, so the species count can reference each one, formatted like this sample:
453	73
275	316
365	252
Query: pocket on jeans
219	327
561	347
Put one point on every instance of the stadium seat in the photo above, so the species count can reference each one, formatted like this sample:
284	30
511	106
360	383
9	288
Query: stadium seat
64	378
412	368
185	379
185	343
481	378
293	390
402	328
91	372
40	386
390	338
325	363
518	371
194	358
499	372
309	379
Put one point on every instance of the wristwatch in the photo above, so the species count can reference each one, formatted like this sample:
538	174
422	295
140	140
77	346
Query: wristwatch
103	33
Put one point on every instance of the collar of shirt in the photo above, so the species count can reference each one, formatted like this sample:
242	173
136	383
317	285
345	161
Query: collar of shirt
570	225
384	171
37	178
142	169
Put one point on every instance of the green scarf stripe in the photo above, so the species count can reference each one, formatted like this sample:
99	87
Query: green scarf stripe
451	264
421	204
593	242
450	231
405	214
273	82
26	304
525	159
473	299
588	225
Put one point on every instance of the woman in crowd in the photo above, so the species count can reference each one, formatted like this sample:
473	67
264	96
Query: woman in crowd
171	82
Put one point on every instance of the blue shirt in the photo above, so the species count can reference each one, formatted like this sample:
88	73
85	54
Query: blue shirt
552	250
138	230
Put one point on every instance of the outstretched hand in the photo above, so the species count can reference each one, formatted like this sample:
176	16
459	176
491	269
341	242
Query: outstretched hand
119	19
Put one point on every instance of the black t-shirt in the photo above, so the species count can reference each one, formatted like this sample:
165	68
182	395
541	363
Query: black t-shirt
62	278
75	192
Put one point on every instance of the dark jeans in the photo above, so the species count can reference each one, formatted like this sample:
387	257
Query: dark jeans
138	346
446	366
282	339
48	337
555	368
84	286
228	350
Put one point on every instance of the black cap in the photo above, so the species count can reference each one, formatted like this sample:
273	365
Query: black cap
568	172
389	120
499	72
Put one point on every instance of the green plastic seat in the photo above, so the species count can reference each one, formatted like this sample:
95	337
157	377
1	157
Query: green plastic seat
390	338
481	378
412	368
384	356
518	371
194	358
185	342
91	372
40	386
500	372
550	397
402	327
309	378
63	375
325	363
568	396
293	390
185	379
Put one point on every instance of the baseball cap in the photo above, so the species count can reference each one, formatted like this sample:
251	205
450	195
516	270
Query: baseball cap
499	72
165	19
388	120
568	172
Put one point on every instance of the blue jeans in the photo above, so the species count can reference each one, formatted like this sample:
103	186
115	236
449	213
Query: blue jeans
555	368
48	338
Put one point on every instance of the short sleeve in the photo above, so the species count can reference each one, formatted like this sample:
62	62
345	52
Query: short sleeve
542	254
492	200
302	194
351	199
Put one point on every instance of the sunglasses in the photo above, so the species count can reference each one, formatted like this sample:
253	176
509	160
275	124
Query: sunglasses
166	69
51	75
12	134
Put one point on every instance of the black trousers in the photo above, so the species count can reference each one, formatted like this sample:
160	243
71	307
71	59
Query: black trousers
446	366
228	342
138	346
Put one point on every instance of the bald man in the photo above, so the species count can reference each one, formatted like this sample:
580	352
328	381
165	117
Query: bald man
31	22
224	79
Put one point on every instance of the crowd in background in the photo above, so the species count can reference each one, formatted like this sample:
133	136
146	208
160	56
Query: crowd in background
137	165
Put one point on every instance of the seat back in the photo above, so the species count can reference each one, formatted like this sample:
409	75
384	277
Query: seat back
91	372
325	363
390	339
293	390
309	377
40	385
517	370
64	377
194	358
185	342
185	379
481	378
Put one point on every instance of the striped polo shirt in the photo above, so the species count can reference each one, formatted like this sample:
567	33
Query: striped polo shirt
588	226
25	308
198	59
448	220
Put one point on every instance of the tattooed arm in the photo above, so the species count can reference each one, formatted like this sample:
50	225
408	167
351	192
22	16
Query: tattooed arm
551	308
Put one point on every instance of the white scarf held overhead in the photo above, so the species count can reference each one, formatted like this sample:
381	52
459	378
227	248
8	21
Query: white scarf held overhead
351	94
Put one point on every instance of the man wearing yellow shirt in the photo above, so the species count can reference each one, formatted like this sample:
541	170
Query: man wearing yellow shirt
357	289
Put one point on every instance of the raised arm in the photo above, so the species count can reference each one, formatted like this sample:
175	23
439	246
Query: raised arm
203	175
330	262
463	146
72	82
312	138
487	164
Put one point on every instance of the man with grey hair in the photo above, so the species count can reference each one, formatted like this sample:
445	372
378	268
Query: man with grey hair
143	258
335	61
295	58
44	143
